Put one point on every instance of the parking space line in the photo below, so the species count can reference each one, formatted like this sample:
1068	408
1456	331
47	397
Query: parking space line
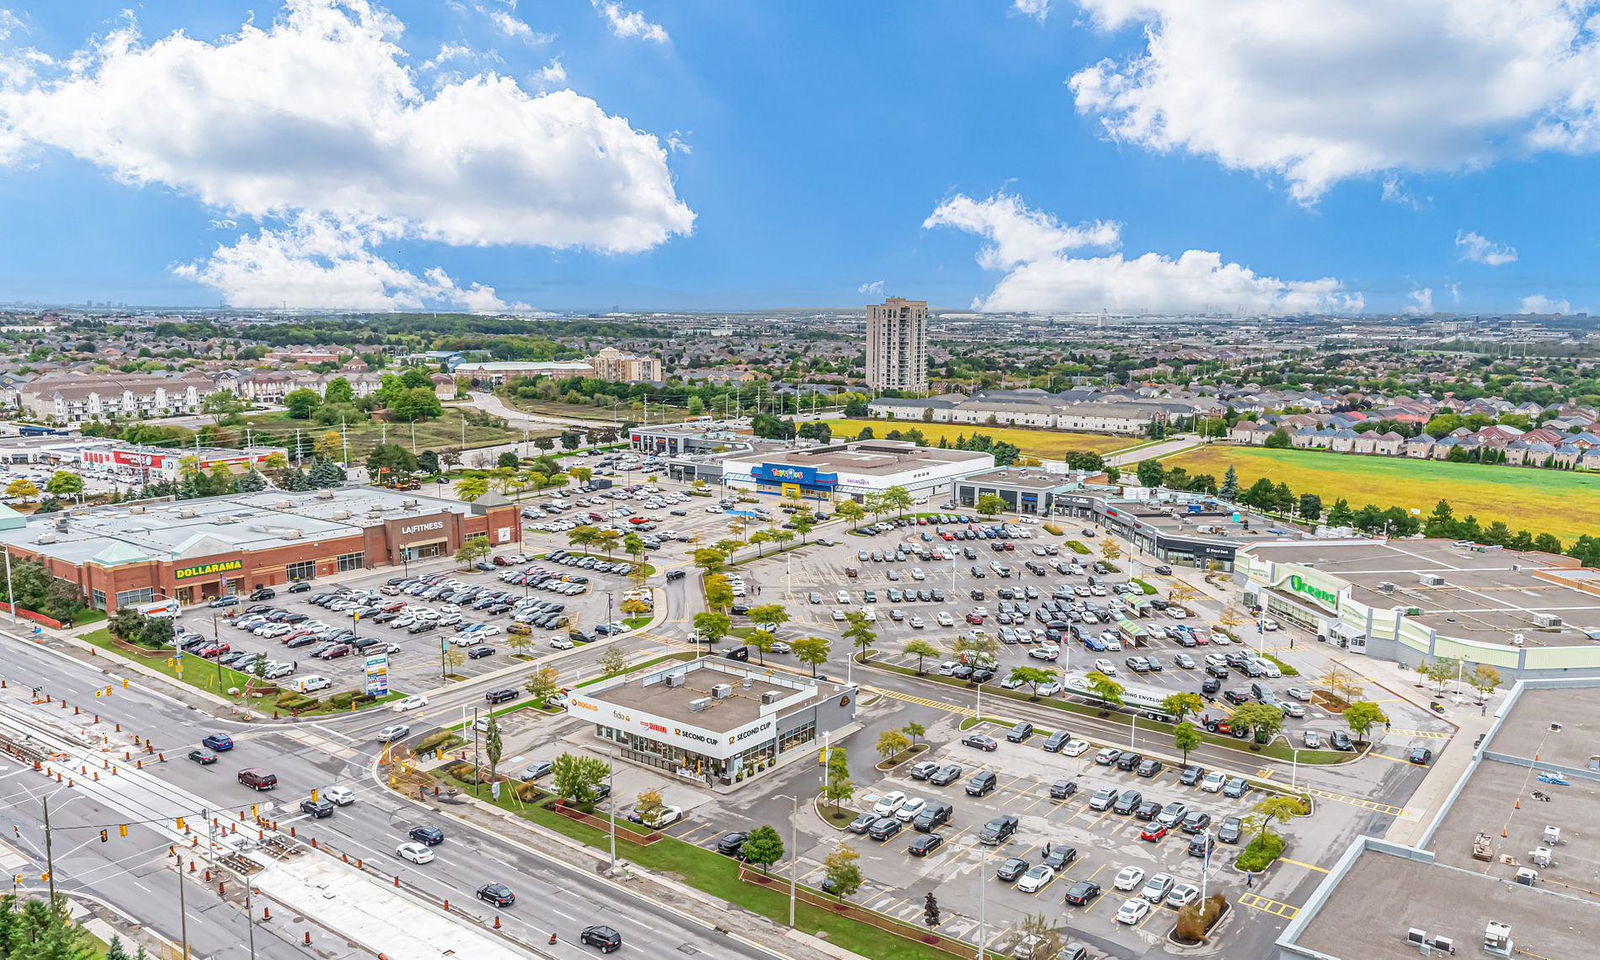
1308	866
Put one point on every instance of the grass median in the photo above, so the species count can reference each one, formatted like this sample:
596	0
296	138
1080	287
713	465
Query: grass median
718	876
197	671
1276	750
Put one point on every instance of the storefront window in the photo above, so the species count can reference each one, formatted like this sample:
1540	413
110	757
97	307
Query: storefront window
97	599
127	598
352	561
304	570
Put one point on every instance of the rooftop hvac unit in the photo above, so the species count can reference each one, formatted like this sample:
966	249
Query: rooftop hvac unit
769	697
291	534
1386	587
748	682
340	515
186	513
408	503
1416	937
1518	640
1497	936
45	538
324	494
136	509
1443	945
1526	876
674	680
722	691
1431	580
699	705
282	505
1547	621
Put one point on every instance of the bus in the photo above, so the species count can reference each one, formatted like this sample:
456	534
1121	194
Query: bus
1146	701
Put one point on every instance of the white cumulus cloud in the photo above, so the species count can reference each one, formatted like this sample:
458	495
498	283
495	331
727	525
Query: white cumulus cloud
1319	91
1480	249
317	115
1539	303
318	262
1041	277
1037	9
630	23
1421	301
873	287
552	73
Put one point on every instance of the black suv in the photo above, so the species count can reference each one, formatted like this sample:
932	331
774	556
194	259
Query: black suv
1127	802
428	836
1062	789
732	844
1058	856
1022	731
1192	774
998	830
501	695
1128	761
1056	741
318	808
607	939
981	784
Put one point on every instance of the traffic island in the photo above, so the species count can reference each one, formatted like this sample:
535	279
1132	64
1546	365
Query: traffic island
1198	923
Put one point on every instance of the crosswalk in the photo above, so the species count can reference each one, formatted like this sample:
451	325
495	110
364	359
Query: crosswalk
1277	908
919	701
1365	804
1422	734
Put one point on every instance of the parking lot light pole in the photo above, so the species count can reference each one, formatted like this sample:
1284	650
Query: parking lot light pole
1294	764
983	902
794	851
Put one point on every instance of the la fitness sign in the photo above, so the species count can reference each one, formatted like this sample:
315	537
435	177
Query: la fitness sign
422	527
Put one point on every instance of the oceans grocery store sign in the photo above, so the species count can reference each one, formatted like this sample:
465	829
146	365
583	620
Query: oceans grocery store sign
211	569
1319	589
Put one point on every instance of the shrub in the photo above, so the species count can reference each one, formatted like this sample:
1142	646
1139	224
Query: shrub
1261	852
1195	920
1144	586
1077	546
444	739
528	792
1053	530
289	700
461	770
1284	668
342	700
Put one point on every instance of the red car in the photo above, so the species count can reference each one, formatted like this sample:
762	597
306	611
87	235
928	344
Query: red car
335	653
213	650
1154	832
947	535
974	618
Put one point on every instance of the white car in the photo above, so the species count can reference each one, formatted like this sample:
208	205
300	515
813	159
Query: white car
406	704
1269	625
1299	693
909	810
948	668
1182	895
389	734
917	623
560	643
1311	739
1075	748
343	796
665	817
1045	651
415	852
1036	879
1106	667
889	803
945	620
1157	887
1213	782
1129	879
1132	911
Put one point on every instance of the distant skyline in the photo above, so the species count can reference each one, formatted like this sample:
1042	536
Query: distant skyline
1227	156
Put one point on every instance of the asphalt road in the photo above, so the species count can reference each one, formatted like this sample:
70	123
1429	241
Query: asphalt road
128	873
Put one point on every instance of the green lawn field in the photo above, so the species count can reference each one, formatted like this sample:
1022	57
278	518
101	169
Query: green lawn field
1044	444
430	435
1560	502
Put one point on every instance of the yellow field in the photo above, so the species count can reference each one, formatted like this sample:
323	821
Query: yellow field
1044	444
1541	501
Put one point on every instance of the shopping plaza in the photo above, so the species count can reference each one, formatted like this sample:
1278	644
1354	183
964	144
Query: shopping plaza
194	550
715	720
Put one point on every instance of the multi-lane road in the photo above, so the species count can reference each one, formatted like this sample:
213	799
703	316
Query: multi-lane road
135	874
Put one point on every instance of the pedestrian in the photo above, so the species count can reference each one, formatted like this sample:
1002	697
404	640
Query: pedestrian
1249	880
1483	709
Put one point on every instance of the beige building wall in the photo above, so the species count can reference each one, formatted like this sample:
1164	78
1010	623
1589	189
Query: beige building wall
897	345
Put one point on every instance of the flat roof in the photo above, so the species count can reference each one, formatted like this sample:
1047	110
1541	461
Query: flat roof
1382	896
650	694
1387	890
875	457
173	530
1025	478
1487	595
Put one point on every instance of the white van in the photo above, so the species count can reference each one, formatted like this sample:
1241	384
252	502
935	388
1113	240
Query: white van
311	684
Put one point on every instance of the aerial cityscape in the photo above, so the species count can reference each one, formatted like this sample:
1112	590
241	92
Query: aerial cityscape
1025	479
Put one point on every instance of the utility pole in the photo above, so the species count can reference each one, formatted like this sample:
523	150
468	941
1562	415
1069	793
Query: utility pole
611	796
250	919
49	857
183	913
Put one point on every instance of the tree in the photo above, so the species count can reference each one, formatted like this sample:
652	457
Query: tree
415	403
709	559
648	805
1341	682
1261	719
990	504
1484	679
542	683
850	510
1106	689
837	787
1111	550
1181	705
22	489
37	930
859	632
710	627
1150	473
804	522
612	661
472	550
763	847
1274	809
844	877
1360	717
576	777
1230	485
719	592
338	390
930	912
891	743
1033	676
1277	439
607	540
224	405
1443	670
390	461
898	499
1186	737
471	488
921	649
976	648
493	746
64	484
813	651
251	482
302	403
453	659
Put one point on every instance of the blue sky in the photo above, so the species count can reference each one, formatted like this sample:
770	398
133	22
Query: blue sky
700	154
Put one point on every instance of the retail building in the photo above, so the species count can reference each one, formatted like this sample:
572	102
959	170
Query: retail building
854	469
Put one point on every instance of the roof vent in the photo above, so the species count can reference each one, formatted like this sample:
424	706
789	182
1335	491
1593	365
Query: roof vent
186	514
699	705
340	515
1385	587
45	538
769	697
282	505
289	534
1547	621
408	503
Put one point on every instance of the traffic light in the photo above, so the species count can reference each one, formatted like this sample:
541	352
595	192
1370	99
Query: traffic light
180	823
122	830
105	836
254	810
313	796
